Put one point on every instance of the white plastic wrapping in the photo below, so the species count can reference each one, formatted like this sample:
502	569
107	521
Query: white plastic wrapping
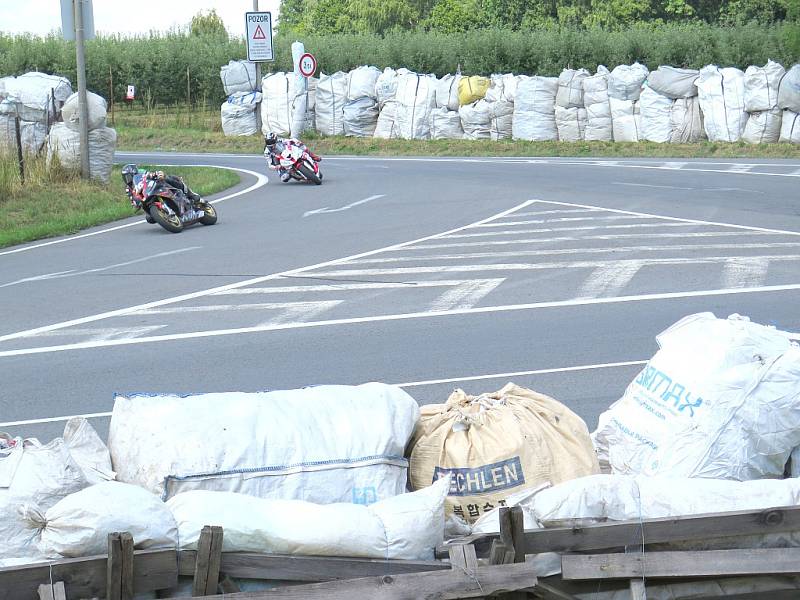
534	109
96	107
476	120
416	97
65	143
790	127
571	123
761	86
763	127
387	122
625	81
686	121
386	85
239	114
277	95
502	88
656	112
502	124
721	94
447	92
672	82
88	450
33	134
361	83
446	124
626	120
34	93
789	91
570	88
718	400
79	524
330	443
330	100
239	76
360	117
598	110
408	526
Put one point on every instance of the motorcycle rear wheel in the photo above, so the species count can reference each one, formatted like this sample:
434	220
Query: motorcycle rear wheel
309	174
171	223
210	214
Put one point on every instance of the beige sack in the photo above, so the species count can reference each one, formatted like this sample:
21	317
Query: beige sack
497	444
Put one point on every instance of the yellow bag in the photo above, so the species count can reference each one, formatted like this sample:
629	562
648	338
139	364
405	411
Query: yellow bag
497	444
472	89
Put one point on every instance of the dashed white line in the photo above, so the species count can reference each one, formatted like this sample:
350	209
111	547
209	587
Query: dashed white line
466	295
609	280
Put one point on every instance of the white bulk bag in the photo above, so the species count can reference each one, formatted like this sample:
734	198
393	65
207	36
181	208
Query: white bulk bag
626	120
79	524
88	450
416	97
239	76
361	83
761	86
330	100
502	88
446	124
96	107
656	110
534	109
686	121
502	124
329	443
790	127
33	134
625	81
718	400
65	143
387	122
36	93
721	94
447	92
672	82
386	85
408	526
571	123
598	110
476	120
239	114
277	94
789	91
570	88
763	127
360	117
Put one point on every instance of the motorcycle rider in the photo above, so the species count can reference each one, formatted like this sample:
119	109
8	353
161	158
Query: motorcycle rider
274	145
137	191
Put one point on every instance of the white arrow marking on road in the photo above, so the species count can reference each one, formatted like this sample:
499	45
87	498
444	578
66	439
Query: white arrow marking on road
341	208
466	295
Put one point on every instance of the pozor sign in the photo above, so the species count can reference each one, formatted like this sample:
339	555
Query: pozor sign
258	27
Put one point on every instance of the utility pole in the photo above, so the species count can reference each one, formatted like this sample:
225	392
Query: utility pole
258	64
80	55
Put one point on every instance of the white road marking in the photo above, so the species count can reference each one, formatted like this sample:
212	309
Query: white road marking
674	165
261	180
341	208
584	264
104	333
338	287
740	168
560	229
246	282
567	251
73	273
299	313
615	365
649	185
466	295
609	280
297	307
556	212
617	236
401	317
745	272
563	220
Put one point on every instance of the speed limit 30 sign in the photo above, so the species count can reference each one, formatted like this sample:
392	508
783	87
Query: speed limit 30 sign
308	65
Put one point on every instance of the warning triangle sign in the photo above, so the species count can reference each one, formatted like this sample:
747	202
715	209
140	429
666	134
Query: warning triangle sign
258	34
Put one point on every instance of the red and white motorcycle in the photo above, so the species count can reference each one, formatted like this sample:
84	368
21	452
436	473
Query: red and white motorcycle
299	163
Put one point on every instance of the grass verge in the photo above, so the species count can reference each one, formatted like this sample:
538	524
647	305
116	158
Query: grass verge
178	129
54	202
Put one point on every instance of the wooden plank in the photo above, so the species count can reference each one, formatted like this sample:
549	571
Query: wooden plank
684	564
114	568
228	585
126	574
52	592
209	558
518	533
670	529
435	585
513	541
87	577
546	591
464	558
59	591
250	565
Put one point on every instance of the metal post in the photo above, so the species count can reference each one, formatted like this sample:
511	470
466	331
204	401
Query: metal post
20	159
80	56
111	92
258	64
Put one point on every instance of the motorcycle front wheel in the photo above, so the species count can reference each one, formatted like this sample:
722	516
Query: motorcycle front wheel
309	174
209	214
170	222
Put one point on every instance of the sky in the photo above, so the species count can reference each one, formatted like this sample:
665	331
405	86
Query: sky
122	16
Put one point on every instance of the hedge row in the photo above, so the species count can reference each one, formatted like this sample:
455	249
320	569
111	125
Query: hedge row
158	65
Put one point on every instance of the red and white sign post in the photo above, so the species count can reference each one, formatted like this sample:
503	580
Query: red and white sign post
308	65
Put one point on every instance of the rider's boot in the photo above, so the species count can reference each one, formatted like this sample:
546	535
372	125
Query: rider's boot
285	177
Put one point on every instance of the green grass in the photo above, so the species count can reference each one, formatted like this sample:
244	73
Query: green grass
177	129
54	202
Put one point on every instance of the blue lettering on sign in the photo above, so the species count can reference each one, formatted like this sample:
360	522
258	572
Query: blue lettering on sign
365	495
480	480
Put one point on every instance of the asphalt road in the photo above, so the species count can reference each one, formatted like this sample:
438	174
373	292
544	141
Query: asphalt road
556	274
